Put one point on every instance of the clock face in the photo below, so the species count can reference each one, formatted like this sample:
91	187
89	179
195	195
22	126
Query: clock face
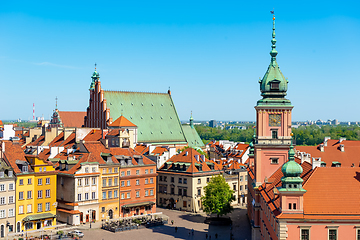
274	120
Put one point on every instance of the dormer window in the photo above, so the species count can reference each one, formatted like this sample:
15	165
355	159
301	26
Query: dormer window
24	168
2	174
275	85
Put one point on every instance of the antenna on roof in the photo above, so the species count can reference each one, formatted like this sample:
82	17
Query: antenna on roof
95	66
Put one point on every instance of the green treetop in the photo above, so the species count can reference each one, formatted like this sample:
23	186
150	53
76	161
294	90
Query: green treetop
218	197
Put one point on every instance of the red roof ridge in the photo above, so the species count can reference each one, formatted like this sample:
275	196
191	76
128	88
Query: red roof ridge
122	122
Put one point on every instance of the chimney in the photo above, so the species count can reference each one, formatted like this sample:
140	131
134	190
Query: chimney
342	147
316	162
322	147
325	141
151	149
342	139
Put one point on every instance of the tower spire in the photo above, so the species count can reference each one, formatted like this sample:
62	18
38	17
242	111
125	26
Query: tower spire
273	51
56	102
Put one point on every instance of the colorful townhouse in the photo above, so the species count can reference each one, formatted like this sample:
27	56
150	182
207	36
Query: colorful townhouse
7	199
35	189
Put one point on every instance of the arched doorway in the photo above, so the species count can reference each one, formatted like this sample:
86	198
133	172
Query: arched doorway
111	214
93	215
2	231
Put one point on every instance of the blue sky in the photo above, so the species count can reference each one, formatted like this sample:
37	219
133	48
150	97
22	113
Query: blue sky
210	53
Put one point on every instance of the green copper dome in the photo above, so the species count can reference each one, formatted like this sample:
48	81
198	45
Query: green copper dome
95	77
273	84
291	168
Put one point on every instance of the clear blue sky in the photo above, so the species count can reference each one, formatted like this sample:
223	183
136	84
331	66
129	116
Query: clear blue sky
211	54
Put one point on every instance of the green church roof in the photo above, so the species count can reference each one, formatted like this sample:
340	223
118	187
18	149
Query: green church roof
192	137
153	113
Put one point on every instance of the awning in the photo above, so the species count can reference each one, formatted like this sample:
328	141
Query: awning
38	217
138	204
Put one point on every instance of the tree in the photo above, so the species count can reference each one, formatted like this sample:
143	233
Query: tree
218	197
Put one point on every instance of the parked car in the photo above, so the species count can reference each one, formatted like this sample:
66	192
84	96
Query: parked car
76	233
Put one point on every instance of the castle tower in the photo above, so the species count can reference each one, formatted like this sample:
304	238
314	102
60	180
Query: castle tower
273	120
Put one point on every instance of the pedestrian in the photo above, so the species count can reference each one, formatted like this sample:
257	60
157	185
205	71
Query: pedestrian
206	236
176	229
210	237
189	233
192	231
216	235
172	222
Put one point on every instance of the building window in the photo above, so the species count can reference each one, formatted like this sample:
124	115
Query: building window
165	179
21	195
93	169
241	187
128	195
2	201
11	199
199	180
79	182
29	225
151	170
115	181
39	208
21	182
29	194
79	197
146	171
2	187
151	180
180	191
172	190
29	208
11	214
289	205
180	180
21	209
185	180
123	183
110	181
128	183
86	181
146	192
294	206
104	182
172	179
11	186
137	194
47	193
185	192
146	181
29	181
137	182
274	134
86	196
207	179
122	195
2	213
160	178
47	206
93	181
123	173
47	181
128	173
358	234
47	223
102	209
199	191
115	193
332	234
40	181
104	170
274	160
151	192
87	170
110	170
93	195
274	85
115	170
39	194
234	187
104	195
110	194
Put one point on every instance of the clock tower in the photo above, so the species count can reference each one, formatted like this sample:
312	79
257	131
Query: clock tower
273	120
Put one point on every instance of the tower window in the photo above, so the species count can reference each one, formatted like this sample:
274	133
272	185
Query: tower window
289	205
274	160
305	233
275	85
274	134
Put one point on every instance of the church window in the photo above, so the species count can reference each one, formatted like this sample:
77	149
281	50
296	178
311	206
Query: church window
274	85
294	205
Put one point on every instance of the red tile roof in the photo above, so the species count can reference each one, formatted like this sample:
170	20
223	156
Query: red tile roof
159	151
122	122
13	152
94	135
72	119
332	152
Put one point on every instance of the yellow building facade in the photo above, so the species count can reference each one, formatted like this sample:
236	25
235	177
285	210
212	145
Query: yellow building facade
35	196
